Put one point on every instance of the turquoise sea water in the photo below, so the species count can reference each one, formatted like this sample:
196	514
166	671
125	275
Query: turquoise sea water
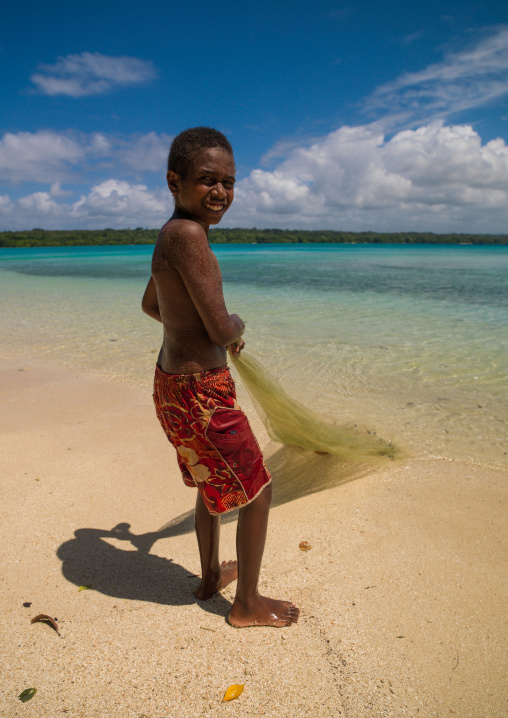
410	340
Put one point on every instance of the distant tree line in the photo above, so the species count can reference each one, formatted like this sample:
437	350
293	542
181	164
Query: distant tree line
301	236
77	237
82	237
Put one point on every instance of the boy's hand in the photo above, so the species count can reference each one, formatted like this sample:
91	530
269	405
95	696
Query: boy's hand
236	347
240	323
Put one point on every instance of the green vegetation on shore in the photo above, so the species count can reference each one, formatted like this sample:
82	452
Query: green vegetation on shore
82	237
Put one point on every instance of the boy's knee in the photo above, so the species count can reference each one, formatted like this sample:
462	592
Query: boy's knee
260	503
267	493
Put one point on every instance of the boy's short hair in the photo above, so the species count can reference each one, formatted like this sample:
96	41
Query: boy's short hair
189	142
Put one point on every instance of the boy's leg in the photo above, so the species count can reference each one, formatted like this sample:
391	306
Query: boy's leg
214	576
249	608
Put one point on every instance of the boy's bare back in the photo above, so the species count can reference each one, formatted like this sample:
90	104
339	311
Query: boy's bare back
186	281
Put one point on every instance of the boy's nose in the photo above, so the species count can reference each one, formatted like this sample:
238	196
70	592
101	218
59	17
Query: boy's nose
219	191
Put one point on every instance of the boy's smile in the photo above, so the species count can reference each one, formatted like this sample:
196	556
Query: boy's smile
206	192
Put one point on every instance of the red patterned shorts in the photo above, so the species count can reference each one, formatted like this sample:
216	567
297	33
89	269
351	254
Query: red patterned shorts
216	449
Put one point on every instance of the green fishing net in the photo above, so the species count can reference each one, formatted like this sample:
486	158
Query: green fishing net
290	422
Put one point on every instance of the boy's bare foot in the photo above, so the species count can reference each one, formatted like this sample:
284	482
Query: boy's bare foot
228	573
264	612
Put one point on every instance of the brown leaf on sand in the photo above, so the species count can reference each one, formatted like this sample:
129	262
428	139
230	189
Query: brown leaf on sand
233	692
44	618
304	546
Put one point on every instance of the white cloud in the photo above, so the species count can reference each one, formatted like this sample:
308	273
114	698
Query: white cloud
40	204
47	156
38	157
436	177
91	74
463	80
126	202
57	191
144	153
412	37
113	203
6	205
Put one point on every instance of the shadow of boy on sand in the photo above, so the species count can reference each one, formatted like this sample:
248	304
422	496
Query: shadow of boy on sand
90	559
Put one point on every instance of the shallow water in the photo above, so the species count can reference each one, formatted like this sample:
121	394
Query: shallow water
409	340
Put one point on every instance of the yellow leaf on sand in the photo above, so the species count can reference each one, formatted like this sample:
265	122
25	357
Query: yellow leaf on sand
233	692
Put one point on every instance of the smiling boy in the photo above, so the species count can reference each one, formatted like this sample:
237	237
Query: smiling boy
194	393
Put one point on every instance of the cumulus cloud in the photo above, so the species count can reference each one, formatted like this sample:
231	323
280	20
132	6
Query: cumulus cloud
38	156
435	177
470	78
113	203
47	156
91	73
119	199
146	153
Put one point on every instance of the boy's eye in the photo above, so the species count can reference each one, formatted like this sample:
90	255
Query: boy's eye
211	180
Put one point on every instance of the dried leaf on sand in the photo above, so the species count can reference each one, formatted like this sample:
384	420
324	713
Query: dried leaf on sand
44	618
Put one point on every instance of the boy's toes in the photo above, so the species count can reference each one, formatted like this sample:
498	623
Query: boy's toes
228	573
293	613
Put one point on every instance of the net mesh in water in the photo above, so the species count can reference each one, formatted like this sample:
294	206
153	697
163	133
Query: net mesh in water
290	422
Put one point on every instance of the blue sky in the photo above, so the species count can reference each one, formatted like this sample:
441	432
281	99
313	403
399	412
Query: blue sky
363	116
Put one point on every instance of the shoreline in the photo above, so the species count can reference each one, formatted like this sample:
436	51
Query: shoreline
360	414
402	592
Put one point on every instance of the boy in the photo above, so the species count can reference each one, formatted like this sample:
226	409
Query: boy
194	393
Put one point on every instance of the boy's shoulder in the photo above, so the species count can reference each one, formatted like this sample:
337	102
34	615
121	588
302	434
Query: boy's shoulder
177	232
181	239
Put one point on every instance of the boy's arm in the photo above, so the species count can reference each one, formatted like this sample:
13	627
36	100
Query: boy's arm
191	256
150	303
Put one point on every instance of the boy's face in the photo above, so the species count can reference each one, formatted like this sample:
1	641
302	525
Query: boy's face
207	190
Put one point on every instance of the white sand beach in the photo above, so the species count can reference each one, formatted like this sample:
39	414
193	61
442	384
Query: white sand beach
403	592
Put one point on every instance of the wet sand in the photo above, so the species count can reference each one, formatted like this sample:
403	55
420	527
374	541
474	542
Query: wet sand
403	593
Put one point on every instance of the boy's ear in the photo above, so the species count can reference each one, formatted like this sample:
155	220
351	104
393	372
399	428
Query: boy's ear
173	180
